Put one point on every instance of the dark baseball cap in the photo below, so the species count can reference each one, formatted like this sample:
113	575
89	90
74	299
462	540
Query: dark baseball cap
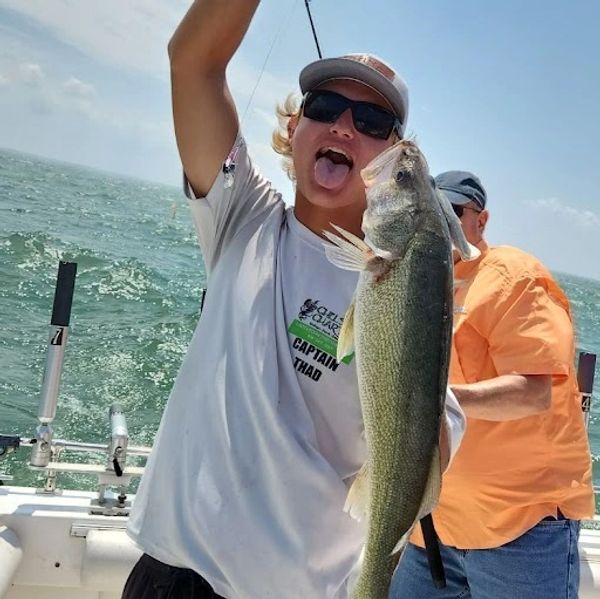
462	187
365	68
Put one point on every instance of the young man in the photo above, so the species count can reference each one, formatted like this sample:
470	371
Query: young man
512	499
243	495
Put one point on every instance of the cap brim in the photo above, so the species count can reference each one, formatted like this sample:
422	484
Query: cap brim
458	199
327	69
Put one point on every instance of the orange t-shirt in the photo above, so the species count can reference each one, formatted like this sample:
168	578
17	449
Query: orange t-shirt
510	317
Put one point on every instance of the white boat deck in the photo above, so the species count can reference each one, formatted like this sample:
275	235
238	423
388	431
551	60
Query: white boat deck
57	549
51	547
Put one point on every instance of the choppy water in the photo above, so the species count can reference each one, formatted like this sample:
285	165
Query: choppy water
135	306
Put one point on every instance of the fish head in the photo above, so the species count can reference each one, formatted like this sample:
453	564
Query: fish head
399	188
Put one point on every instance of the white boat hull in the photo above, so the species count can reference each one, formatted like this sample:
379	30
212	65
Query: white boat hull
52	548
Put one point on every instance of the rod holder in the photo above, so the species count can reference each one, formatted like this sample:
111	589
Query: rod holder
57	340
119	438
586	370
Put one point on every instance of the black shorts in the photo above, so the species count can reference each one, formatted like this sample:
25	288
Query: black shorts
151	579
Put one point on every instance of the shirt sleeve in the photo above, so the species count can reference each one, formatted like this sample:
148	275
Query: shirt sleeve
240	196
456	423
532	332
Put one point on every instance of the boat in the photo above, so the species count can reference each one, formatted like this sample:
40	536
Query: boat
72	544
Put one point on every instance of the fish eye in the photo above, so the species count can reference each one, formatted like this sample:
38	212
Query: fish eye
400	176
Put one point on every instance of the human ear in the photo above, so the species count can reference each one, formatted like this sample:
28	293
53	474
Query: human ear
291	125
482	219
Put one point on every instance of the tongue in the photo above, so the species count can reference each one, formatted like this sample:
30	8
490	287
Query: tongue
328	174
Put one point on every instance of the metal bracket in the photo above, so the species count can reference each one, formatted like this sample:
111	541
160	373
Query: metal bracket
81	529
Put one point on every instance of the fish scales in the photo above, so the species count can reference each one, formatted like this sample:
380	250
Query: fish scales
403	329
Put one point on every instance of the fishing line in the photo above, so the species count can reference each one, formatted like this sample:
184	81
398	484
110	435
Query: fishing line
262	70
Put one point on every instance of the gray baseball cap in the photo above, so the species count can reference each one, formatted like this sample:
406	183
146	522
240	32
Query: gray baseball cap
462	187
365	68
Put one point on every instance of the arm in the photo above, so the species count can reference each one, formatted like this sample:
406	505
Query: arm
204	113
505	397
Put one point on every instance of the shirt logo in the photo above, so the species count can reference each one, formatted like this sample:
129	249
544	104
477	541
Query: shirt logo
316	330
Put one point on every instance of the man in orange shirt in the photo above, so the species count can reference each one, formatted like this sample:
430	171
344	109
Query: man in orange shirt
511	501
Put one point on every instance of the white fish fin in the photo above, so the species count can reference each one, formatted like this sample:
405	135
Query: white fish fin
348	252
345	344
459	241
430	497
358	495
353	239
401	544
343	259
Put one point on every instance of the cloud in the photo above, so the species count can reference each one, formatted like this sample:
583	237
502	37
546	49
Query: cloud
77	96
30	74
126	35
46	95
23	74
58	60
130	34
30	85
78	89
585	219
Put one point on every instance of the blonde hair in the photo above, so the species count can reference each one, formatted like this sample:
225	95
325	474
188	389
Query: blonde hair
281	141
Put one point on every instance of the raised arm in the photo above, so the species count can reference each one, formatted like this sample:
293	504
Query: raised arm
206	120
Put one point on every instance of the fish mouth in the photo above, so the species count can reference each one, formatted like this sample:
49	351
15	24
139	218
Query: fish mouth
382	165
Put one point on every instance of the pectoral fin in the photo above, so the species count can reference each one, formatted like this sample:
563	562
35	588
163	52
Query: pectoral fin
345	344
348	251
358	496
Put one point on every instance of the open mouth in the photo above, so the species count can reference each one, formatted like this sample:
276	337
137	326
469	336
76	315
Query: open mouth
332	167
336	156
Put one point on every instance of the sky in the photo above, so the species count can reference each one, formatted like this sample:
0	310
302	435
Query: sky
508	90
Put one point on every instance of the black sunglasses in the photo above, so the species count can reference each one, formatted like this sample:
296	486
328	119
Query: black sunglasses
326	107
459	209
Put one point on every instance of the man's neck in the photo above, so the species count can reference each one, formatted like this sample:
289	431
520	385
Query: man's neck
318	219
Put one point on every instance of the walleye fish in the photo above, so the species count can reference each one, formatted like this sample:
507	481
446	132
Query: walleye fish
399	325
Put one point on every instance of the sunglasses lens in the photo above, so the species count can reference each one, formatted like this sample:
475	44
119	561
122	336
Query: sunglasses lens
373	121
458	210
326	107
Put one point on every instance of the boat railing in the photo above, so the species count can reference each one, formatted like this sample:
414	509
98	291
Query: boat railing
115	474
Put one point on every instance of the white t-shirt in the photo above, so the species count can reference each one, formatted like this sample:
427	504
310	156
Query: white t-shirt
262	432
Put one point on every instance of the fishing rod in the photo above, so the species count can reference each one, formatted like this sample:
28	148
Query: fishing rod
312	26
